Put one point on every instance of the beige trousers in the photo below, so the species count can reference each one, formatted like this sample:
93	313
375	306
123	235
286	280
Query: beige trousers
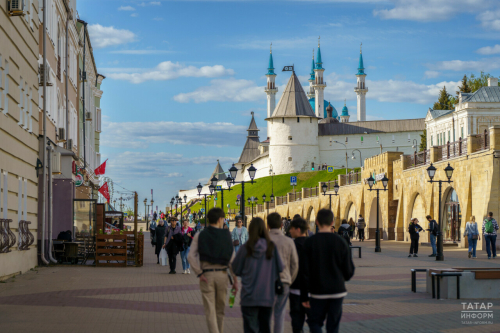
214	295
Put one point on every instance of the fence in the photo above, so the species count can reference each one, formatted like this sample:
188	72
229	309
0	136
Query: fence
453	149
417	159
349	179
481	141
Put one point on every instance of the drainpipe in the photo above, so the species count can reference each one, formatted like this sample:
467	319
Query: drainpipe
50	150
68	17
84	79
44	175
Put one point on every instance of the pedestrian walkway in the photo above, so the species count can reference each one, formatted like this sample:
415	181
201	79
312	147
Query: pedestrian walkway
90	299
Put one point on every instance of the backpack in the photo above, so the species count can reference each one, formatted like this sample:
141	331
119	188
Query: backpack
488	227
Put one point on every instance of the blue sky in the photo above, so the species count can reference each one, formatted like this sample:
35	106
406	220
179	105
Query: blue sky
183	76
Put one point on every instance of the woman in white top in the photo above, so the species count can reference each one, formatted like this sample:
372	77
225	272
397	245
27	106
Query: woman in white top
472	233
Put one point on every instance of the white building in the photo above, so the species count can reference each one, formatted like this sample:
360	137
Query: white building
474	113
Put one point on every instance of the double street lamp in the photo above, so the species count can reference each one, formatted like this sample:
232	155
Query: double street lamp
431	171
233	171
211	189
229	183
146	213
371	181
172	201
251	201
271	199
179	200
324	187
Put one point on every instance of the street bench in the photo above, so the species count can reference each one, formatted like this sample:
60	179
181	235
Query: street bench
414	277
438	277
356	247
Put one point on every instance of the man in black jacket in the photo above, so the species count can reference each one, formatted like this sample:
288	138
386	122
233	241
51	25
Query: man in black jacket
433	229
298	291
328	265
414	228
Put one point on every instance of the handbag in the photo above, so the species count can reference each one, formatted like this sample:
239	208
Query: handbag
236	242
278	285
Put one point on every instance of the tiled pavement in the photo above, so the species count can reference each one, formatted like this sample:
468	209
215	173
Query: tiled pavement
147	299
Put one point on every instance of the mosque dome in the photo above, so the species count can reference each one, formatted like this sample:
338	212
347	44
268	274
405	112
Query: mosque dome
345	112
325	103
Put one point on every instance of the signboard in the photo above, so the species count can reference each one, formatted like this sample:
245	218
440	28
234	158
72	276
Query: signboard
202	210
330	169
293	180
78	180
218	188
238	197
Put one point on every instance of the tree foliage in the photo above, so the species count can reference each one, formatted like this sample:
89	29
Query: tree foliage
477	82
445	100
423	141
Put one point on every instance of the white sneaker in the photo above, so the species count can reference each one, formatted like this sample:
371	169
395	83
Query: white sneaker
188	271
184	272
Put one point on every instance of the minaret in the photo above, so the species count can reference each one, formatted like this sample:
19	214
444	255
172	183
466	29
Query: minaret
344	116
271	89
311	92
361	89
319	85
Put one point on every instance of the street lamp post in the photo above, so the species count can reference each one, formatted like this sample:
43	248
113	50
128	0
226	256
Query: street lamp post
346	160
271	199
251	201
271	173
324	187
229	181
152	202
145	213
211	189
251	172
172	201
371	181
431	171
415	143
179	200
360	159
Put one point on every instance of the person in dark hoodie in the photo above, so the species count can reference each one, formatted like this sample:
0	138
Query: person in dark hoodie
160	239
345	231
328	265
173	243
298	231
258	264
210	256
414	228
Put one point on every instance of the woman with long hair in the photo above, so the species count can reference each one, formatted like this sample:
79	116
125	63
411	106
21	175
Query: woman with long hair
258	264
472	233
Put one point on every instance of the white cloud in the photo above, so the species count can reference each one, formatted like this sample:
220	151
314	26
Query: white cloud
141	52
168	70
126	8
488	50
224	90
134	15
174	174
141	134
150	3
158	19
430	10
490	19
407	91
471	65
431	74
108	36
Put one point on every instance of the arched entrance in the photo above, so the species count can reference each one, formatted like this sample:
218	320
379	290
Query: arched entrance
372	220
452	217
311	219
418	212
351	212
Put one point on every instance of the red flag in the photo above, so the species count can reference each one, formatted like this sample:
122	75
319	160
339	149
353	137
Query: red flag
104	190
101	169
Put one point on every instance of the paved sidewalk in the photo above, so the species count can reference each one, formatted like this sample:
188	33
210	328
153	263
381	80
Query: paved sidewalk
89	299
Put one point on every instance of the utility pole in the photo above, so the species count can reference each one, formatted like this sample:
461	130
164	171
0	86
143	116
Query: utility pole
136	240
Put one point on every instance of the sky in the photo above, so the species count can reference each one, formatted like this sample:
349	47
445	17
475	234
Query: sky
183	76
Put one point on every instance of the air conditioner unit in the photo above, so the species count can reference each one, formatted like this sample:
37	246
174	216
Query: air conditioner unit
61	135
42	72
88	116
16	7
56	162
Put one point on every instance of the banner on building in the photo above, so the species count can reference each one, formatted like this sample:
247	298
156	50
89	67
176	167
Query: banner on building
101	169
104	190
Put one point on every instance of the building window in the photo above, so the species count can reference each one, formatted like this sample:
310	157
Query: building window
298	119
449	136
462	131
283	120
290	159
290	138
432	141
311	120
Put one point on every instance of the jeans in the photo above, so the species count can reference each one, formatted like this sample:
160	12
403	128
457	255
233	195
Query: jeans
279	309
297	313
491	239
331	309
433	244
256	319
414	244
236	248
184	259
472	245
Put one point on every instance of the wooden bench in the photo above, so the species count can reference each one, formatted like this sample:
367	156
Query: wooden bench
356	247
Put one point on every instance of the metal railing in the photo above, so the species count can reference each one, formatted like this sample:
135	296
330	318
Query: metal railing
349	179
453	149
481	141
417	159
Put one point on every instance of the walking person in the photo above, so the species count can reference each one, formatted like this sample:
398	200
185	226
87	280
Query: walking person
187	234
152	232
352	226
472	233
490	227
239	234
160	239
290	260
414	228
258	264
298	290
361	225
344	231
209	257
328	265
173	243
433	230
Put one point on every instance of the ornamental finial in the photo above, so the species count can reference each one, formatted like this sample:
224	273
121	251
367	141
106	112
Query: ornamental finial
313	53
360	46
344	101
271	48
318	40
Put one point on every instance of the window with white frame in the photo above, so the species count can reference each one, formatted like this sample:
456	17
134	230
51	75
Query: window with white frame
98	120
4	86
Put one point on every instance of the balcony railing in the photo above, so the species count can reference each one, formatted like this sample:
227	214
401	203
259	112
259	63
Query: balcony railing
417	159
453	149
349	179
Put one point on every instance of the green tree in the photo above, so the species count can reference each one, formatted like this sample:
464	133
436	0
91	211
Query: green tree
423	141
477	82
445	101
465	88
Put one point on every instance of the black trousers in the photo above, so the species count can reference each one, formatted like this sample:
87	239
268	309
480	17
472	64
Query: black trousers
414	244
297	313
321	309
172	260
361	234
256	319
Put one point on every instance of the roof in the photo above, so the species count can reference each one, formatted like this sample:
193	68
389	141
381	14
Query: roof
293	101
368	127
253	125
312	70
345	111
319	63
218	173
484	94
361	68
250	150
439	113
270	69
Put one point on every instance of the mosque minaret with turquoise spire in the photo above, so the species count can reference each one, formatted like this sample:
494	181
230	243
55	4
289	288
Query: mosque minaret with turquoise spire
361	88
271	89
319	86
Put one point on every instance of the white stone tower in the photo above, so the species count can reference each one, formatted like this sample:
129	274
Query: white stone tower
319	85
311	93
270	90
361	89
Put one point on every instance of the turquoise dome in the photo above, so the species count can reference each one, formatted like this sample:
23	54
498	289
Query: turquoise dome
345	112
312	101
